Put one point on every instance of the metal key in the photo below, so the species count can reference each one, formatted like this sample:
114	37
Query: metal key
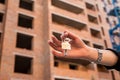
66	45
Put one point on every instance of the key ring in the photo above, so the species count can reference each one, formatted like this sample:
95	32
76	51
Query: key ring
67	39
66	45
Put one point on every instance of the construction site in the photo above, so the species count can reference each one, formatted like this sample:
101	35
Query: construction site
27	25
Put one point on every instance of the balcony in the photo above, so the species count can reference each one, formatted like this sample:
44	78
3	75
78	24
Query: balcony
90	6
79	3
80	17
93	25
66	5
68	22
104	76
95	33
92	19
76	61
86	42
65	66
97	41
98	46
90	1
92	13
64	74
96	36
103	72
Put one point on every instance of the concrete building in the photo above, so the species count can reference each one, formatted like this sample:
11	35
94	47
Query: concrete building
26	26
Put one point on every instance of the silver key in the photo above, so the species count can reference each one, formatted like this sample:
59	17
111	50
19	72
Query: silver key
65	52
66	45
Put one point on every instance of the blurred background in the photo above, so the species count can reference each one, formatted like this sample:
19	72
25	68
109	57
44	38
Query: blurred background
27	25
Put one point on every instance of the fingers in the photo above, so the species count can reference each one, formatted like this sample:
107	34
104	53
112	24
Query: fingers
58	54
54	46
75	39
69	35
56	41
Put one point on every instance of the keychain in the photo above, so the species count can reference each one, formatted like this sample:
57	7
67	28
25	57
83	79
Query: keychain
66	45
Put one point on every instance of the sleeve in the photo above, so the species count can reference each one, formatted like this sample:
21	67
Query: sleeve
117	65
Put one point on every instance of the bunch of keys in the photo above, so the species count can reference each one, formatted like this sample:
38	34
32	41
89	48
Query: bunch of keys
66	45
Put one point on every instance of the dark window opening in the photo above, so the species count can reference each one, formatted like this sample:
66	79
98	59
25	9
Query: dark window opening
24	41
25	21
0	35
23	65
97	46
2	1
90	6
1	17
97	7
0	43
61	79
92	19
68	22
113	75
86	42
99	18
57	35
101	68
105	42
26	4
56	64
107	20
73	67
109	2
67	6
115	23
74	61
102	29
105	10
95	33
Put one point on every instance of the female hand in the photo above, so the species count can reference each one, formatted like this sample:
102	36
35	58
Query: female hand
78	47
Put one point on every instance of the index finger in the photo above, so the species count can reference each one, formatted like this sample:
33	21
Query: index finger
68	35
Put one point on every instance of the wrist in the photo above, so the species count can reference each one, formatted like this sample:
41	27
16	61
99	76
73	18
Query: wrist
92	54
100	56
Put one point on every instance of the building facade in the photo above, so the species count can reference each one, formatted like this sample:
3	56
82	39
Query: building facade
26	27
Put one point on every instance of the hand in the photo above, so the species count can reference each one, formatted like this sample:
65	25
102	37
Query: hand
78	47
81	50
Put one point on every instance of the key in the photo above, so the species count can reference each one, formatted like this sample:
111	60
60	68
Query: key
66	45
65	52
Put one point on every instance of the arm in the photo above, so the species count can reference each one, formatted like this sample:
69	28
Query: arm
108	57
81	50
